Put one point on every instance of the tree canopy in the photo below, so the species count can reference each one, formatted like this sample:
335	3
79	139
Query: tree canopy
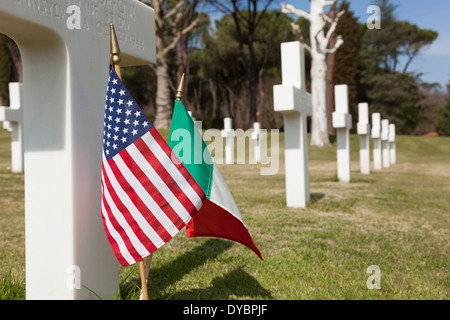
232	62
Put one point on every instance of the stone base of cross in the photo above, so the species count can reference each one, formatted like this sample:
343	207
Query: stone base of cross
342	122
376	135
363	130
294	102
228	133
12	118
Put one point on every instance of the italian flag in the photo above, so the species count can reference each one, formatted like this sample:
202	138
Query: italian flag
219	216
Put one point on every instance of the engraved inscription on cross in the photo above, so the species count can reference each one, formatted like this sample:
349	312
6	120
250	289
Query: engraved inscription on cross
65	73
292	100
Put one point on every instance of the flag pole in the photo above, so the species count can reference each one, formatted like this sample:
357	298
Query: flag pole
115	60
148	263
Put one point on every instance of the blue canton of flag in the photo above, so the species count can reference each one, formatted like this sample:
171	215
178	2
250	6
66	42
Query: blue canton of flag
124	120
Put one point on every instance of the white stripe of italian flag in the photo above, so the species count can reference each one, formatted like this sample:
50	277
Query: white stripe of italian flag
219	216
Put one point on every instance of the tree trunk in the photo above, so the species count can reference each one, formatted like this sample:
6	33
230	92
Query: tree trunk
168	23
231	110
213	90
253	99
261	95
319	129
319	50
253	81
330	92
319	123
198	93
331	61
163	102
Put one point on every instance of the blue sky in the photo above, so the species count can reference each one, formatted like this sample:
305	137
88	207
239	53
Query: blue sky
434	61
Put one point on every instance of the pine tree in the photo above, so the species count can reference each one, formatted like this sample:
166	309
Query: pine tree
396	95
443	125
346	67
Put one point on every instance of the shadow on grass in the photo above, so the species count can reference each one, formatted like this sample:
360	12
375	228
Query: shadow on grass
234	283
315	197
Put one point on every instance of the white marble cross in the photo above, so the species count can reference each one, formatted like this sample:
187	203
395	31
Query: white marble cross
65	52
256	135
342	122
363	130
392	146
13	121
294	102
376	135
385	142
228	133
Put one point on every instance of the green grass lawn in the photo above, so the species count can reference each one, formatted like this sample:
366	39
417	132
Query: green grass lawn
397	219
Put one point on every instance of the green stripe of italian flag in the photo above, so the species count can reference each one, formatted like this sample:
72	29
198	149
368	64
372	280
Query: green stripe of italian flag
219	216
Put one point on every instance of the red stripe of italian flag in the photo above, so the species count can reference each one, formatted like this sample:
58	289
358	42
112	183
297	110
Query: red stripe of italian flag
219	216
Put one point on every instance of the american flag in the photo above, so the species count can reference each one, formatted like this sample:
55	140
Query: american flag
147	193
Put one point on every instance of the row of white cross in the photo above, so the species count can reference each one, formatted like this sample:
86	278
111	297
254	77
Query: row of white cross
64	74
294	102
228	133
383	136
12	117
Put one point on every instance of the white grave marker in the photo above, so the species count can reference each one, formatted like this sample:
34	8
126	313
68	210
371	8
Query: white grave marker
342	122
376	135
256	135
363	130
385	142
65	74
228	133
392	146
292	99
13	121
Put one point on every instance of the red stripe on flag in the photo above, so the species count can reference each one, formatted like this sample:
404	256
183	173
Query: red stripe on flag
178	164
214	221
131	222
